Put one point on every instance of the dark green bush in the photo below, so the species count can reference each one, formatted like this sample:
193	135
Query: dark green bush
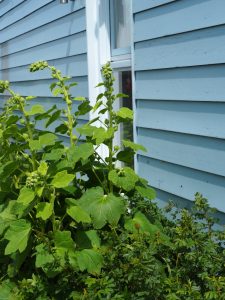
75	226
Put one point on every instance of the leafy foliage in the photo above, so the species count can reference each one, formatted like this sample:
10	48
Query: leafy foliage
74	226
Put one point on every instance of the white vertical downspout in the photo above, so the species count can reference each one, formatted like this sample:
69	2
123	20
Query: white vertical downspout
98	48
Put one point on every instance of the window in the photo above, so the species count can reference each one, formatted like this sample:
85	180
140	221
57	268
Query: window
120	26
123	84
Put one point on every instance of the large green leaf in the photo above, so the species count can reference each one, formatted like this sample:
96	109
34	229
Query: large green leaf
7	291
17	235
26	196
35	109
44	210
87	239
43	168
47	139
55	154
101	135
43	257
62	179
125	178
87	130
125	113
7	216
24	201
83	151
146	192
102	208
55	116
34	145
78	214
46	261
133	146
63	241
140	223
90	260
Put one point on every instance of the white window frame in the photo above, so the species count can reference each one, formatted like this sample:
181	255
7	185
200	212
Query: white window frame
99	52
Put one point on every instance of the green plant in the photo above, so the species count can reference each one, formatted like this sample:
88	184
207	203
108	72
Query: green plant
74	226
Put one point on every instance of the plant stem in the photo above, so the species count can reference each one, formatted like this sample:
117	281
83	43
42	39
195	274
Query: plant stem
69	105
110	146
29	130
52	201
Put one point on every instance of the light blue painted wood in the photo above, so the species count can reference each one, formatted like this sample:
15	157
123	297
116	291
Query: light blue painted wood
40	88
68	46
183	182
45	15
205	83
146	4
201	153
177	17
6	6
24	9
199	47
206	119
163	197
70	66
179	62
65	26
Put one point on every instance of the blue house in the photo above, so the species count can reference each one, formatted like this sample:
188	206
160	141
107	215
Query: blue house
168	55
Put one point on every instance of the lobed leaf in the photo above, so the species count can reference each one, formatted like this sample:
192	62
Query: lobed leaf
44	210
133	146
102	208
17	235
78	214
90	260
125	113
62	179
125	178
35	109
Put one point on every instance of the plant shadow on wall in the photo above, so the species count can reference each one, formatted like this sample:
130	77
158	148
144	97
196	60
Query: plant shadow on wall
73	226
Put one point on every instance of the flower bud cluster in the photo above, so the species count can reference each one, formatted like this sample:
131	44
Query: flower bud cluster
32	179
17	99
4	85
107	71
39	65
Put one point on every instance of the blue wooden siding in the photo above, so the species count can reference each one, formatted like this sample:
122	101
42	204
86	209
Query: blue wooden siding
179	64
43	30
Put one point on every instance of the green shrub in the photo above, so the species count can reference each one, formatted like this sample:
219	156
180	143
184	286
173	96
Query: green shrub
74	226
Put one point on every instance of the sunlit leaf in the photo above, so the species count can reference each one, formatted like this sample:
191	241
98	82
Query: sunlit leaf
35	109
44	210
17	235
62	179
102	208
